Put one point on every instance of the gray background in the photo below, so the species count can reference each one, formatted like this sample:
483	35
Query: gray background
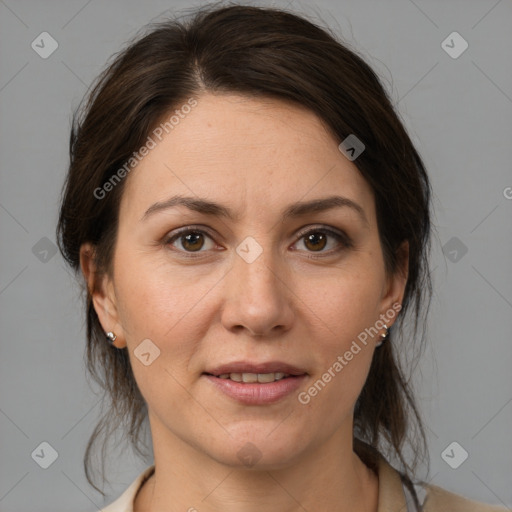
459	113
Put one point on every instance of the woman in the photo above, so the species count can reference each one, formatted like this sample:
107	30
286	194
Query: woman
252	222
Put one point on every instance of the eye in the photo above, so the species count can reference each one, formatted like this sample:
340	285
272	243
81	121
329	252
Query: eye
191	240
317	239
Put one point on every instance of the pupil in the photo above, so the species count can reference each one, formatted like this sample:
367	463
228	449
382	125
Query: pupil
194	238
315	238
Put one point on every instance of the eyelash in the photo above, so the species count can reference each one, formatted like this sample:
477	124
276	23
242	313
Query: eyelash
342	239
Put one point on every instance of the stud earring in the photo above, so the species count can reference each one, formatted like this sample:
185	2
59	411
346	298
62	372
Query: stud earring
111	336
383	336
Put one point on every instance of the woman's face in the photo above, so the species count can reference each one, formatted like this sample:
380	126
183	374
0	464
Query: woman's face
255	286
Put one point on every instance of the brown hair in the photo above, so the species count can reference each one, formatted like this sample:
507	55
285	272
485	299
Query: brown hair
258	52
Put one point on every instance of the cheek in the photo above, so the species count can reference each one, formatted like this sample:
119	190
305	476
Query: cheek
341	315
344	348
168	306
161	306
347	303
155	297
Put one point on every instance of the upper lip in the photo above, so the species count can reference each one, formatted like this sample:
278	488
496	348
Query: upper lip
247	367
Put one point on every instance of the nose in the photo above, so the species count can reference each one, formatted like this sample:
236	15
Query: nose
257	297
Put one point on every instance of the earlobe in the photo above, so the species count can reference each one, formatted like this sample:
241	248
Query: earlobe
101	291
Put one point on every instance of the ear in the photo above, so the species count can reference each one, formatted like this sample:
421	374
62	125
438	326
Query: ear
393	292
101	290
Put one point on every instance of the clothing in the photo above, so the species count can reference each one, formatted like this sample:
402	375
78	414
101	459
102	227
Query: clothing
394	495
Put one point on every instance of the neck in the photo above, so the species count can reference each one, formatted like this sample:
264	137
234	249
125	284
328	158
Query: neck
325	478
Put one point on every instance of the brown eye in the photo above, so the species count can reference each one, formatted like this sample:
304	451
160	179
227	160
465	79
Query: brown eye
315	241
190	240
193	241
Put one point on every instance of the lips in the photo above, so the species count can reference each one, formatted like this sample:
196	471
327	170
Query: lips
245	367
251	392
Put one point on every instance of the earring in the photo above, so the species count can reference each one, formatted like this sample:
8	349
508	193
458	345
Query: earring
111	336
383	336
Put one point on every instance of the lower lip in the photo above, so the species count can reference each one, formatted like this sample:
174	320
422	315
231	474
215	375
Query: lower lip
256	393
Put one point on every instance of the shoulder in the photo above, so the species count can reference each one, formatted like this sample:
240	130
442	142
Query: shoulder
395	493
438	499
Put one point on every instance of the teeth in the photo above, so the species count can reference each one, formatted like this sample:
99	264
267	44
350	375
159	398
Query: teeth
253	377
249	377
266	377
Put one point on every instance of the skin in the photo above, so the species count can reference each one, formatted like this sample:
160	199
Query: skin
255	156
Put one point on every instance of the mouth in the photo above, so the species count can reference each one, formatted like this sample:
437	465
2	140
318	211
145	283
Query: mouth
244	371
256	384
251	378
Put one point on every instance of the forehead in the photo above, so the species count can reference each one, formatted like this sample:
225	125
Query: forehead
244	152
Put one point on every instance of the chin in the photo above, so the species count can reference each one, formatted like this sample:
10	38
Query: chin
255	450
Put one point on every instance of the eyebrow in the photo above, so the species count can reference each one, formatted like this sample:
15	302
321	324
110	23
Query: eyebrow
297	209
